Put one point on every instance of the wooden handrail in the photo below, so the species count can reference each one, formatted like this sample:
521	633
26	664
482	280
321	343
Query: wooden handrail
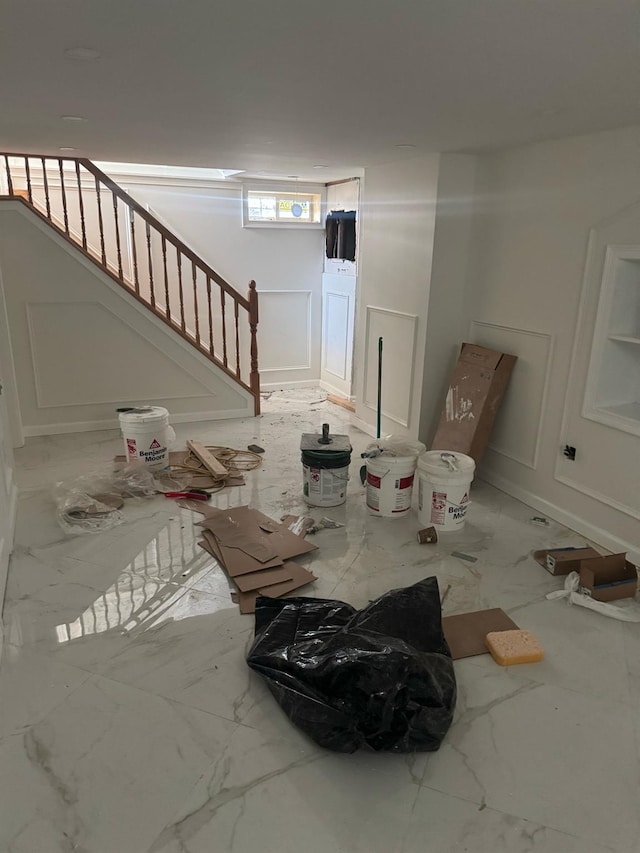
131	279
169	236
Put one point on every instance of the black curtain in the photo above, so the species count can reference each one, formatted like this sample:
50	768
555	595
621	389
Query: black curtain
341	235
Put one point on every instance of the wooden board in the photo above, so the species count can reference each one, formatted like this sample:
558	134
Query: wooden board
208	459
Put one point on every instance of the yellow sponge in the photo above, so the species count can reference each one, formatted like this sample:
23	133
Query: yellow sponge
508	647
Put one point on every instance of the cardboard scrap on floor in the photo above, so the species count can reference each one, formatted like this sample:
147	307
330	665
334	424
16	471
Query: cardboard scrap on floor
604	577
255	551
466	632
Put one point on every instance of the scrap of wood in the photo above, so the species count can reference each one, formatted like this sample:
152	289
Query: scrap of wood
341	401
216	468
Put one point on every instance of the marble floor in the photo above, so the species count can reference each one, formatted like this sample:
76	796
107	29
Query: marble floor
130	723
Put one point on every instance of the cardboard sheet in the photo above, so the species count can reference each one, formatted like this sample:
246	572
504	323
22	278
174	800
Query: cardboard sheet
247	600
264	578
236	562
238	529
465	633
285	543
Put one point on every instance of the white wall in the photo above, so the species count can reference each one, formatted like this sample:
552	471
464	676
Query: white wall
398	206
82	346
537	207
286	265
446	318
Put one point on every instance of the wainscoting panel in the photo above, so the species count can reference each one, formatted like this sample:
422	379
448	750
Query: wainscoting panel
284	331
83	354
515	434
398	332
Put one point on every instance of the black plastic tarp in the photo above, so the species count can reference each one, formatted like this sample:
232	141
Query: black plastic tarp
380	677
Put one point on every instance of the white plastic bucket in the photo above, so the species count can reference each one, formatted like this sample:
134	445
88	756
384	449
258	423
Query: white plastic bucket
444	482
146	433
390	485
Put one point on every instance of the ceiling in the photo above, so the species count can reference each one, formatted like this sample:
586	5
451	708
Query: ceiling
283	86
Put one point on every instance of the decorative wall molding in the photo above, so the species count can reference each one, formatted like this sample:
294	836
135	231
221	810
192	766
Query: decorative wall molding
174	418
562	516
139	309
597	495
328	296
537	348
399	344
282	327
44	400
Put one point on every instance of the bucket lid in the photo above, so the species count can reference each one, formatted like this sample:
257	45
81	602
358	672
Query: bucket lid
325	442
144	415
441	461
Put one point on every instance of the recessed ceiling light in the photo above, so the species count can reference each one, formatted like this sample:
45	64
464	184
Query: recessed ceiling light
320	166
404	146
82	54
67	148
73	118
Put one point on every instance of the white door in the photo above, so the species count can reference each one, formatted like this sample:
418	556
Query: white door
7	490
6	493
338	312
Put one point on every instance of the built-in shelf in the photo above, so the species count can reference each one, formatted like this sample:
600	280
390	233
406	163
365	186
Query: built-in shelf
612	393
625	339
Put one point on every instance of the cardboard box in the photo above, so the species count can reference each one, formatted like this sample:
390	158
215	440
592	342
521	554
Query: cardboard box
477	386
562	561
609	578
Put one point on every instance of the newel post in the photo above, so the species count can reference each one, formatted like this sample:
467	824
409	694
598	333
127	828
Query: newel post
254	378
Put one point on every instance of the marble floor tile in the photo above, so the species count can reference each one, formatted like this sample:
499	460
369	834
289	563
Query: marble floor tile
31	686
130	722
541	753
103	770
443	824
317	802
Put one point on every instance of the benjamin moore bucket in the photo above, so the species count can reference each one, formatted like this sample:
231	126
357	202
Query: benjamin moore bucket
444	482
146	433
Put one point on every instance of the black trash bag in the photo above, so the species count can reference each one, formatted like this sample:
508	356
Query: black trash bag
381	677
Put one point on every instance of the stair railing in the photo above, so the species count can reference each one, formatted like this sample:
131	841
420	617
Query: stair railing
143	256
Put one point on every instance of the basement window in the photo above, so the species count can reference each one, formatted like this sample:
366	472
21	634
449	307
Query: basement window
288	209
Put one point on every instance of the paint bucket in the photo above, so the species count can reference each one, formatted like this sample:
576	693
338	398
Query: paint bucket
146	433
325	475
444	481
390	484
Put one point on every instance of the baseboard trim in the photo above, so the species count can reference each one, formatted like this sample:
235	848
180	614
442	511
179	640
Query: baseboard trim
113	423
363	426
284	386
574	522
331	389
6	547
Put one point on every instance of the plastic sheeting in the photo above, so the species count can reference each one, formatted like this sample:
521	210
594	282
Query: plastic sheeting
380	677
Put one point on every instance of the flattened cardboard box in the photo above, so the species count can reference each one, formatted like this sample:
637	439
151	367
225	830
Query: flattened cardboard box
477	386
301	577
609	578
